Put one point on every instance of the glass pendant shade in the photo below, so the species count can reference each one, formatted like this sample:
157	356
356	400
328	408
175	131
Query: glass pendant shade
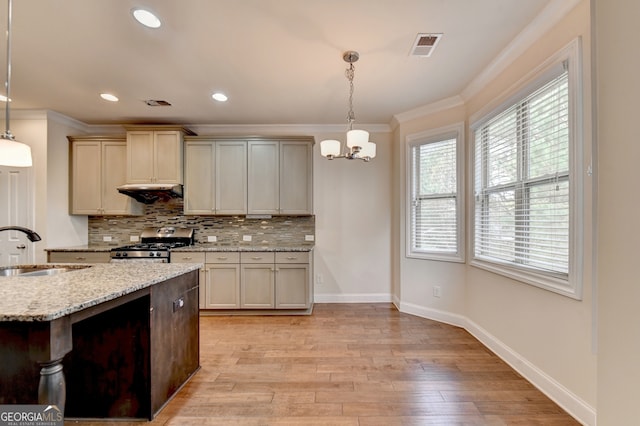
357	138
368	150
330	147
14	154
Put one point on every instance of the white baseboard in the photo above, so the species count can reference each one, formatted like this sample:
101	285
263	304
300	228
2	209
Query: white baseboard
571	403
352	298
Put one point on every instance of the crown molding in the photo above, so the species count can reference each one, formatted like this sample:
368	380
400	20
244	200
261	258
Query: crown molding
441	105
553	13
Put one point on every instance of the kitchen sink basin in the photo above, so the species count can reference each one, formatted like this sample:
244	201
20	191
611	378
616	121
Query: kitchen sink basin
35	271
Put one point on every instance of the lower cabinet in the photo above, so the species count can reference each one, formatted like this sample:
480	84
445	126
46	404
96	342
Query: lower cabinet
252	280
223	280
257	280
78	257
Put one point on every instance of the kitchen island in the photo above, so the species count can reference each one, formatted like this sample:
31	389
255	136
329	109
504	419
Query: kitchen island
99	341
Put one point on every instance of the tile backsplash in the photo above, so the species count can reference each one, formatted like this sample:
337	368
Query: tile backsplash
227	230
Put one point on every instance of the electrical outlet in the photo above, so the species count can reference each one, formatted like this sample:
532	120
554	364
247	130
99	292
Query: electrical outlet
319	279
309	238
106	238
134	238
212	239
437	291
246	238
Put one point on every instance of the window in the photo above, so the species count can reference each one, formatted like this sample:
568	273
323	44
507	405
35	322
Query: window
523	185
435	182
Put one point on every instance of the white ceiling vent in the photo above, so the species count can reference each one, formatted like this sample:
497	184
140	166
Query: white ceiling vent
154	102
425	44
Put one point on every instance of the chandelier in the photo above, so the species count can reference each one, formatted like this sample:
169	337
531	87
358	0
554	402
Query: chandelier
12	152
358	146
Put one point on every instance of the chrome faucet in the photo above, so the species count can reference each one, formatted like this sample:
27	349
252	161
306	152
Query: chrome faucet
31	235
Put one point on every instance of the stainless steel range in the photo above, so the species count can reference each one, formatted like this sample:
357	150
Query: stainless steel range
155	245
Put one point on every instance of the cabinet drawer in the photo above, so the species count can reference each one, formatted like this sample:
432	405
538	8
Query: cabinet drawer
187	257
223	257
79	257
292	257
257	257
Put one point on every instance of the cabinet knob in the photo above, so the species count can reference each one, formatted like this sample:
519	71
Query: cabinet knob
21	246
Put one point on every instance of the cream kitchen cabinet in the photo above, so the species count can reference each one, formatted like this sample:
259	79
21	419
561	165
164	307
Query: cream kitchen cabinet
98	167
257	280
78	256
215	177
223	280
292	290
154	155
280	177
194	257
262	281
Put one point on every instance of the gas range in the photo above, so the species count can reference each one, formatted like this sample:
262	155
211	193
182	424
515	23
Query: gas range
155	245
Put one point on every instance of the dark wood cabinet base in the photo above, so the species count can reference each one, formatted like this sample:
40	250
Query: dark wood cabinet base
123	360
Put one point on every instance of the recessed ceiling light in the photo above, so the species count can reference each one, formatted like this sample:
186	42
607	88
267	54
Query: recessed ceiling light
146	18
220	97
109	97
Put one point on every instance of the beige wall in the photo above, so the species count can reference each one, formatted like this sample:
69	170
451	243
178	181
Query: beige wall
618	69
549	337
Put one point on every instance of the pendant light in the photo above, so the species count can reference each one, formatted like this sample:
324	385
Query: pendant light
358	146
12	152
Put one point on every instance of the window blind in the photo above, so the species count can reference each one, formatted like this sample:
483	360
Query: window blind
434	197
522	182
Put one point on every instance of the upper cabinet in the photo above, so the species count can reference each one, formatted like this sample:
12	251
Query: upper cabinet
215	177
98	167
154	154
248	176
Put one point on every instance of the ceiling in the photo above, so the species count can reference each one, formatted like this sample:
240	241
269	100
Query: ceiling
279	61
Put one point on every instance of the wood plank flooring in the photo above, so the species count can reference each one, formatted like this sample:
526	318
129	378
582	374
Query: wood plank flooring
351	365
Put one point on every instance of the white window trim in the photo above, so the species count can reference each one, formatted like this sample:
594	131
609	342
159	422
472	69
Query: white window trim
571	287
448	132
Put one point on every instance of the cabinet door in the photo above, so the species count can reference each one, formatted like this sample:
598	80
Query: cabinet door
194	257
167	156
292	286
140	158
231	177
223	286
296	178
199	177
86	178
114	174
79	257
263	177
257	286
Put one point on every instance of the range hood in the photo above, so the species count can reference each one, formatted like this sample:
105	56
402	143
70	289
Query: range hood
149	193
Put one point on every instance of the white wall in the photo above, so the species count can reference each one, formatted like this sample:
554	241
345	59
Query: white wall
618	68
548	337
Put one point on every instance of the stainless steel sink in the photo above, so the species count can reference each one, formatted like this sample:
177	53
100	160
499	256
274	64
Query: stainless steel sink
35	271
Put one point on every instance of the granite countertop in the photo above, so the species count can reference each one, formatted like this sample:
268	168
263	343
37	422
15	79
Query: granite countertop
196	247
45	298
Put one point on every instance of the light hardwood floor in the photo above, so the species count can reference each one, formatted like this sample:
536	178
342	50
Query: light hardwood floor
355	365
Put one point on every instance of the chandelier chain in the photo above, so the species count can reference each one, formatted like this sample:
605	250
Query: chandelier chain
350	73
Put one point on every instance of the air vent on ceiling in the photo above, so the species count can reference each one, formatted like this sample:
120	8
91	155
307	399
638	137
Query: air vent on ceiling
425	44
154	102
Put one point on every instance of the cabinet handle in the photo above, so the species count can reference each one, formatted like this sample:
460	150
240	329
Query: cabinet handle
291	258
81	258
256	258
222	258
187	258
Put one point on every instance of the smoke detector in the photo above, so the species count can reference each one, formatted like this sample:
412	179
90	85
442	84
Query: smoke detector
425	44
